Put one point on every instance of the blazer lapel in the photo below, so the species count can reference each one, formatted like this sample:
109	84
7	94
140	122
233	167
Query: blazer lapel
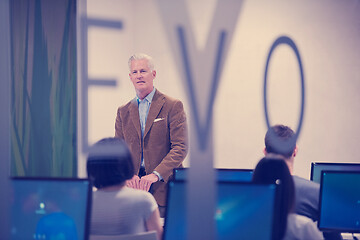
155	107
134	114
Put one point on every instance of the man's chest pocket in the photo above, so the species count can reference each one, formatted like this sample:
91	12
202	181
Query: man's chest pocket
159	129
159	123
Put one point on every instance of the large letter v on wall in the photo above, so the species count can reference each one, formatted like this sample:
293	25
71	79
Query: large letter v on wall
200	68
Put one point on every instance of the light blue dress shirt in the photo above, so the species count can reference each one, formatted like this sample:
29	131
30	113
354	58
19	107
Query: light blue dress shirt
144	106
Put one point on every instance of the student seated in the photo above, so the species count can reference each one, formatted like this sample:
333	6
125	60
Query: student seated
292	225
117	209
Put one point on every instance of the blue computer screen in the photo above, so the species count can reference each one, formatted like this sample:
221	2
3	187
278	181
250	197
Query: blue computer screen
50	208
317	167
340	201
223	174
241	210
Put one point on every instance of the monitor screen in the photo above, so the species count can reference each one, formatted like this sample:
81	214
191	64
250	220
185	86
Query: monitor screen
340	201
242	209
223	174
50	208
317	167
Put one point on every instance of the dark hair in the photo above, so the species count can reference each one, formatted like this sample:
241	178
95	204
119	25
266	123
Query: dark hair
280	139
109	163
274	170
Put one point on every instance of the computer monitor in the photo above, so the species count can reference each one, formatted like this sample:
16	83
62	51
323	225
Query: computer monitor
50	208
317	167
339	203
223	174
244	210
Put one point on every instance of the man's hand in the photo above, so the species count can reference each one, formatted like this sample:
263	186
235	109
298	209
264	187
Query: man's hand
134	182
147	180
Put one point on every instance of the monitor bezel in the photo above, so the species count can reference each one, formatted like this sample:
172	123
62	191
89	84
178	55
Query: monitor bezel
69	179
276	206
313	165
345	230
216	169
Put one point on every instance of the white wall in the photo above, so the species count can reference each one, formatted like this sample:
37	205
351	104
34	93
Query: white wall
326	33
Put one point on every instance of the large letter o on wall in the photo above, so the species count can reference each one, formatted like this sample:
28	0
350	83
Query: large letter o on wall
288	41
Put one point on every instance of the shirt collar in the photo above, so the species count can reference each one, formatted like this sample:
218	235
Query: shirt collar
149	97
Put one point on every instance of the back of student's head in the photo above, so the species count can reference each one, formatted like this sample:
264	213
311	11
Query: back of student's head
280	139
109	163
276	171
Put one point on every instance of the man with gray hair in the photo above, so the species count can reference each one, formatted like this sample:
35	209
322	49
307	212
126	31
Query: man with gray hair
155	129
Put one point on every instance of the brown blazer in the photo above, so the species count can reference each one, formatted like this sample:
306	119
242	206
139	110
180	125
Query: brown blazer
165	138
